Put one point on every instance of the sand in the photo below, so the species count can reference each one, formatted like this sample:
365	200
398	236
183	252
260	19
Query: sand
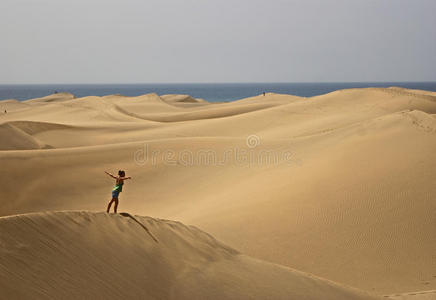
71	255
341	186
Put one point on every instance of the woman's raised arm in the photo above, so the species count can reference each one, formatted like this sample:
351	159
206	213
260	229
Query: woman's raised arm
110	175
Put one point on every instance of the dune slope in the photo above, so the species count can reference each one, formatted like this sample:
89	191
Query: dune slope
73	255
12	137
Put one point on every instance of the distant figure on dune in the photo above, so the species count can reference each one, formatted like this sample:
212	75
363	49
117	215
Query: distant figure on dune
119	181
264	93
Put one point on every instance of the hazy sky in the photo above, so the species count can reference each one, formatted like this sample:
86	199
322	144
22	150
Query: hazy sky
146	41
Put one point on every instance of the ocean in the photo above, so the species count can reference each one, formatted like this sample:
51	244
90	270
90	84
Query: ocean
212	92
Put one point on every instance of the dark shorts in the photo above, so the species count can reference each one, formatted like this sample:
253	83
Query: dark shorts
115	194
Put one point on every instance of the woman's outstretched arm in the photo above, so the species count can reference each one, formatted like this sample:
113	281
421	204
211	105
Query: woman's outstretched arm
110	175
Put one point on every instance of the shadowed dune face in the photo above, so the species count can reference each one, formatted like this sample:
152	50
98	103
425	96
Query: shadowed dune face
339	185
182	99
72	255
12	137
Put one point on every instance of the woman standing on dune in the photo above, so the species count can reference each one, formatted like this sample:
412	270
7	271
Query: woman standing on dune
119	181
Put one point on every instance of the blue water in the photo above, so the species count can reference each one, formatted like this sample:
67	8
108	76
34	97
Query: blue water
213	92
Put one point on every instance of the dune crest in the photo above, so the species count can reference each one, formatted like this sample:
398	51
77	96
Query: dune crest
57	97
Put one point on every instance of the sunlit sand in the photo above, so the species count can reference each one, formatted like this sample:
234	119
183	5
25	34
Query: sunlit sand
340	187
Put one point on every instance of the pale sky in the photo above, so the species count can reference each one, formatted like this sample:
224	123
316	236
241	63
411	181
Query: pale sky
149	41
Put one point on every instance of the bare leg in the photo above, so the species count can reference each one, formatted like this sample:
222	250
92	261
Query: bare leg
116	205
109	205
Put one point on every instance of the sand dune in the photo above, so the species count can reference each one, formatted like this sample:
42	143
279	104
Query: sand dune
97	255
58	97
11	105
12	137
172	113
182	99
340	185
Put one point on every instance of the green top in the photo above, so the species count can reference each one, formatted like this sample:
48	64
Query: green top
118	187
